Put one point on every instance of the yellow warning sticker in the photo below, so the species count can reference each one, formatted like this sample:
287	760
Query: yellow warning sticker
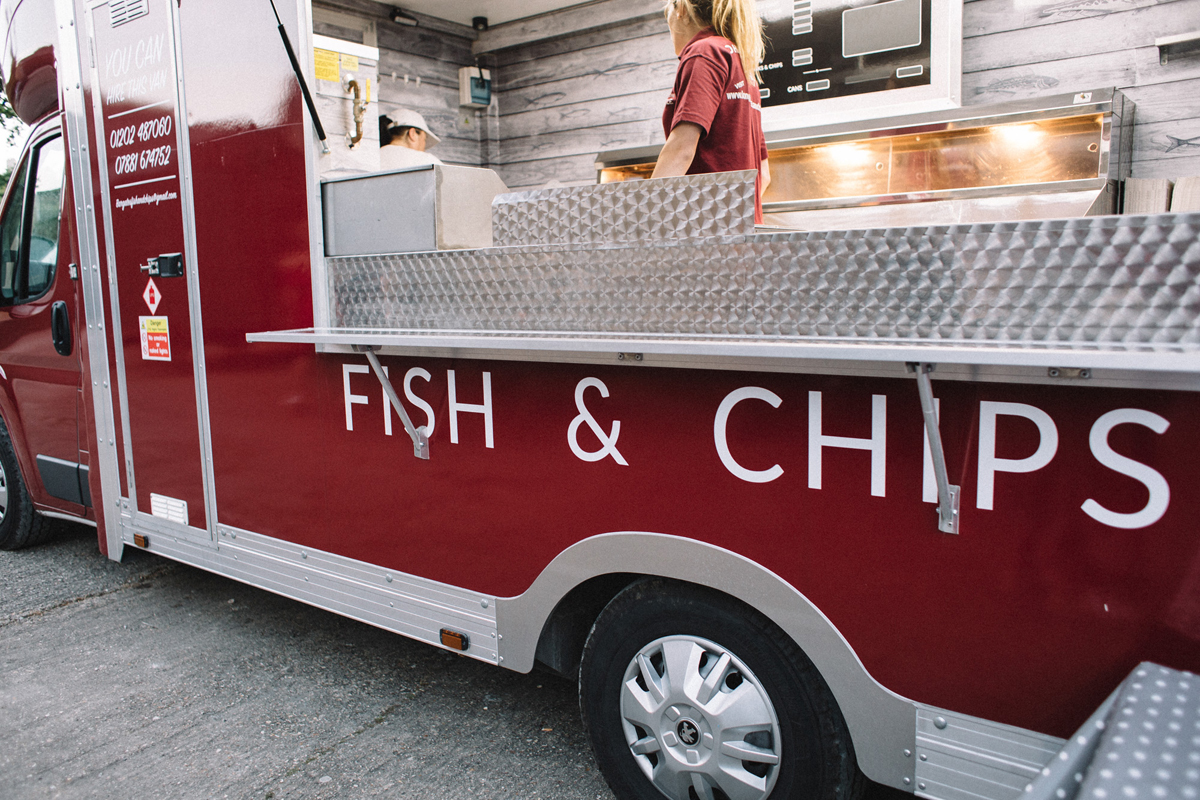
325	65
156	340
349	62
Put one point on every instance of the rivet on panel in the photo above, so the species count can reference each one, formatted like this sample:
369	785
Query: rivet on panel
484	602
940	723
907	781
908	753
304	554
921	786
924	757
387	578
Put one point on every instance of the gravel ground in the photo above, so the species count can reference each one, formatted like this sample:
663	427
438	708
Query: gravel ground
152	679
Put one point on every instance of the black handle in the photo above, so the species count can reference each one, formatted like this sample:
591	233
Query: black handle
60	328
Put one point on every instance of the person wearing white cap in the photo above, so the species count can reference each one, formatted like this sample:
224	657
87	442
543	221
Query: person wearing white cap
403	138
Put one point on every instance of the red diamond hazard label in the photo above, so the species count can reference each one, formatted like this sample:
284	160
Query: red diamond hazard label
152	296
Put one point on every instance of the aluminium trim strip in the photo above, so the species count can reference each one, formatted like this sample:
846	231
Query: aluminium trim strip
67	517
91	278
1039	376
960	757
1057	354
187	200
101	158
963	193
405	604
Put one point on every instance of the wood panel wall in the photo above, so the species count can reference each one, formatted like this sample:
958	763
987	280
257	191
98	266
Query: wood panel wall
418	68
1014	49
560	100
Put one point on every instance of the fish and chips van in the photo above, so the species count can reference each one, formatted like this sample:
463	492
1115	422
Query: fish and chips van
896	486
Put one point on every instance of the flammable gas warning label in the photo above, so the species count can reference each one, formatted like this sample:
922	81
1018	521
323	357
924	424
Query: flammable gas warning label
156	340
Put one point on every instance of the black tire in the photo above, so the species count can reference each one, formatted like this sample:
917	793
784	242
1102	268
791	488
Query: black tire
662	619
20	524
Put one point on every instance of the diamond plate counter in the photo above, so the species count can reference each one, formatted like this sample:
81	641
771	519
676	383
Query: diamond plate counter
1093	285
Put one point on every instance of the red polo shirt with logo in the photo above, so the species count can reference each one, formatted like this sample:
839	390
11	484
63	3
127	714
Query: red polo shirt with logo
711	91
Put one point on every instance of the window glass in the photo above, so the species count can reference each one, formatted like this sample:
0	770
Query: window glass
43	227
10	236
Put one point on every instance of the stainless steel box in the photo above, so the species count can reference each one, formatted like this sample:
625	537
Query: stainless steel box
430	207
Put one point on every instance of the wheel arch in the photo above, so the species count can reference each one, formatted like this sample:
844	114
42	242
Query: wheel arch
532	626
12	423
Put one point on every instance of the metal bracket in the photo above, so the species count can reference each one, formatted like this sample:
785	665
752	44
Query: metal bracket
419	439
1179	45
948	495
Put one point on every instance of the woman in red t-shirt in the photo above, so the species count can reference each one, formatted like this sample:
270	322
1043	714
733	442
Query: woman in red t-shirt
713	118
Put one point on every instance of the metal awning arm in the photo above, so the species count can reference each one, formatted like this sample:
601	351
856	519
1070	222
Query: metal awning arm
947	494
420	441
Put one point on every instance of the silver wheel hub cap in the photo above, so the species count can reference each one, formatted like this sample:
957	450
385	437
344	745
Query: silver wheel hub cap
698	723
3	493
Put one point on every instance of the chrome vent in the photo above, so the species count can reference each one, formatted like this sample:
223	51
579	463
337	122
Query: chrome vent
122	11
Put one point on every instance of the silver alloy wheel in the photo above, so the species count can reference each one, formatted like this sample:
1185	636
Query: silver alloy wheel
695	717
3	492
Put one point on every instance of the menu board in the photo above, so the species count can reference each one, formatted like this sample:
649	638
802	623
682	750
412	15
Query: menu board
819	49
830	61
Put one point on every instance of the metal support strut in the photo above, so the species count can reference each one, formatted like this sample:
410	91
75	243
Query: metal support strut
947	494
420	441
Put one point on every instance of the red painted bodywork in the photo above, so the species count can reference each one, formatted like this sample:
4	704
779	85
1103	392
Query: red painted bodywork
27	55
136	72
1030	616
39	400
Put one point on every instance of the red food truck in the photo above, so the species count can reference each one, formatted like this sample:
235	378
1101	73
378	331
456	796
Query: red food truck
708	469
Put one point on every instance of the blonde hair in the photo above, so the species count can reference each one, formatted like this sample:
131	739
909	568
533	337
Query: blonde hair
739	22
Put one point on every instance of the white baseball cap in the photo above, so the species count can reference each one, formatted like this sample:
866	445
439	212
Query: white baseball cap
407	118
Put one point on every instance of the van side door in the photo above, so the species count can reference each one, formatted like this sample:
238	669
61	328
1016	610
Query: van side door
40	367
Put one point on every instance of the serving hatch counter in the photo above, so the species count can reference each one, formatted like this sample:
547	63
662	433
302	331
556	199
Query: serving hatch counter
1119	293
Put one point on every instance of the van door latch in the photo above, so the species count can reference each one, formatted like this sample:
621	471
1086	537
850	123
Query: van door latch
168	265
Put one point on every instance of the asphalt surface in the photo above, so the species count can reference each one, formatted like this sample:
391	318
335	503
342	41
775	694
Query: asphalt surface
151	679
156	680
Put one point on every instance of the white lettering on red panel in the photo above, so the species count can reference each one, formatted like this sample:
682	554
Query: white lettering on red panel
1160	492
722	420
608	442
989	465
484	408
877	444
